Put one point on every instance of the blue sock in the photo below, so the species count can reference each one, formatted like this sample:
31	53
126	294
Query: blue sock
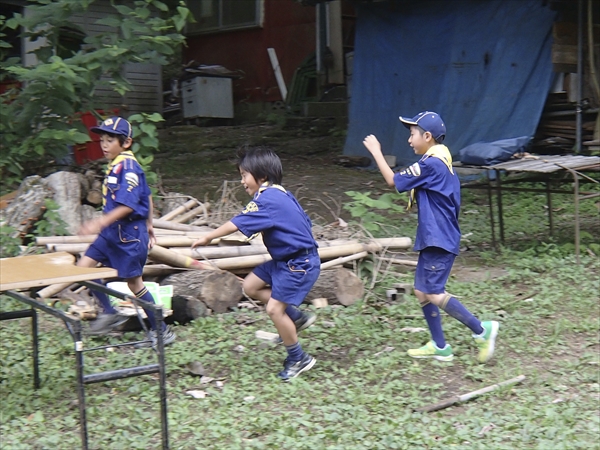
107	307
293	312
145	295
295	352
456	309
434	322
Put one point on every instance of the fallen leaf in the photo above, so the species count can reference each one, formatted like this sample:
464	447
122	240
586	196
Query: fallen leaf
196	394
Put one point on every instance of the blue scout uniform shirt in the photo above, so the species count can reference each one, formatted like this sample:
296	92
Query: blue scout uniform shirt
436	189
285	227
125	184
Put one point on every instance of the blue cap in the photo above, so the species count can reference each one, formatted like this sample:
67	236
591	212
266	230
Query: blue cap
428	121
113	125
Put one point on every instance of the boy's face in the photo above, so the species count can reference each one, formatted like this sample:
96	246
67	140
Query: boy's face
111	147
420	142
250	183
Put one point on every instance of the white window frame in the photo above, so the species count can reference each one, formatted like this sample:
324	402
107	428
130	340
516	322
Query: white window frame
193	29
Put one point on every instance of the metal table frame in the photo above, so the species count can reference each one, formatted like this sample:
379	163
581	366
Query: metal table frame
537	169
74	327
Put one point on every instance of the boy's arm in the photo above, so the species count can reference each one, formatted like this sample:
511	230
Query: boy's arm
374	147
223	230
149	225
95	226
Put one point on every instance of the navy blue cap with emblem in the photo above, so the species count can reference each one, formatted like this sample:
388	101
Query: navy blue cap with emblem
113	125
428	121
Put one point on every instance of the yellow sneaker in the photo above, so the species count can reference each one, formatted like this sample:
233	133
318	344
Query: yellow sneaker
487	340
430	350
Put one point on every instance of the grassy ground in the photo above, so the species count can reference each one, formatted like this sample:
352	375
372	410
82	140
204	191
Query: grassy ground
363	390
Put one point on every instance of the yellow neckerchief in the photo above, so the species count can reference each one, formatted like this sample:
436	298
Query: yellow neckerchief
127	154
267	185
437	151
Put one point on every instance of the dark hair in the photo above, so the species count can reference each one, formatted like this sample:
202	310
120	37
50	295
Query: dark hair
260	162
120	137
437	141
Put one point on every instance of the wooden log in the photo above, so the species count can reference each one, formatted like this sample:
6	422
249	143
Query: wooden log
27	206
463	398
179	210
52	290
160	270
203	208
167	225
74	249
217	289
343	260
166	256
337	286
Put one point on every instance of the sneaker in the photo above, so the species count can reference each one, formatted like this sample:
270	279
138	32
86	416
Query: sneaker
307	319
105	323
487	340
168	338
291	369
430	350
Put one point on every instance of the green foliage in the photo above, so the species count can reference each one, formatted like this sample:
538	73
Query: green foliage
366	209
360	394
40	119
51	223
9	244
145	141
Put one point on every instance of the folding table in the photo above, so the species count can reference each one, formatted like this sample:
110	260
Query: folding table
26	272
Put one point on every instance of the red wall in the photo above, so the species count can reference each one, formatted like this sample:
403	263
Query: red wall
288	27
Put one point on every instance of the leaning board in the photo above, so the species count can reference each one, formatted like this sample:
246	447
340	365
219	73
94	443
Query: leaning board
24	272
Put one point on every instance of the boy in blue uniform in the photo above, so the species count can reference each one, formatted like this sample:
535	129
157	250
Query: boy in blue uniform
435	188
283	282
125	230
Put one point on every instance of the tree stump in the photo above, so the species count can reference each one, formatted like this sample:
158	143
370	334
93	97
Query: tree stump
338	285
28	205
67	194
219	290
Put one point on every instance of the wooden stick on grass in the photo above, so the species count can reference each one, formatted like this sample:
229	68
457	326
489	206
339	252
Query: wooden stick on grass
463	398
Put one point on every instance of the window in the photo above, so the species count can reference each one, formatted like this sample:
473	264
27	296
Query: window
219	15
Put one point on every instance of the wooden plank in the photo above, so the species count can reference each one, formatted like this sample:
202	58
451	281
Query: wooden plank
24	272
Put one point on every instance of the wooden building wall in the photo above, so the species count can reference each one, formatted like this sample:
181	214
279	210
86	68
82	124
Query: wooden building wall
288	27
146	79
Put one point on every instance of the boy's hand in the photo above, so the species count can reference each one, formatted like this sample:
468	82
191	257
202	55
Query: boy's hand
151	236
93	226
204	240
372	144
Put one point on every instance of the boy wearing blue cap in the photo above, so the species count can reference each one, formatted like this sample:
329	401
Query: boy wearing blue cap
435	188
283	282
125	230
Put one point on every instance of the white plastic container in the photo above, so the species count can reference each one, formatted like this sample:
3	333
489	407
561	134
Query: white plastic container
162	294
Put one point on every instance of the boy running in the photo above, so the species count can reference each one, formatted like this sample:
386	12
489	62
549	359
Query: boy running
435	188
283	282
125	227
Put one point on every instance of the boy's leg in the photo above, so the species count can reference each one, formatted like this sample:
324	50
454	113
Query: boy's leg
136	285
297	361
109	318
257	289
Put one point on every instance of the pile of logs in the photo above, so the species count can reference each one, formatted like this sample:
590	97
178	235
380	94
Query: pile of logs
208	279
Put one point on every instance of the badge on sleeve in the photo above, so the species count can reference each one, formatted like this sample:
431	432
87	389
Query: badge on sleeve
250	207
415	169
132	180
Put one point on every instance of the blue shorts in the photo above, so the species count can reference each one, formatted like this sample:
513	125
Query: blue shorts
433	269
122	247
291	280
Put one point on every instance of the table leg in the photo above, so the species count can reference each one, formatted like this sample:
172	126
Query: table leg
549	201
499	199
491	205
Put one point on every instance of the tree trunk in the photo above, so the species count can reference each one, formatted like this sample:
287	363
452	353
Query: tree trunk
337	286
218	290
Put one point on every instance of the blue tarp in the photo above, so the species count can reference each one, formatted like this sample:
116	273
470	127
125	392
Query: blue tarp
483	65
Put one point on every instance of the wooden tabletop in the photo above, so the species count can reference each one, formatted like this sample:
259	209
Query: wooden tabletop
24	272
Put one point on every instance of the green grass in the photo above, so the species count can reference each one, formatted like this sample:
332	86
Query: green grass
363	389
